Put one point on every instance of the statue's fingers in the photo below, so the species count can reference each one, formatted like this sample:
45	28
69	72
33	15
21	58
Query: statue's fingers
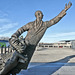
69	4
65	5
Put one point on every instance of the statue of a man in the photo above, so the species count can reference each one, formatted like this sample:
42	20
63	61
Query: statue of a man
36	30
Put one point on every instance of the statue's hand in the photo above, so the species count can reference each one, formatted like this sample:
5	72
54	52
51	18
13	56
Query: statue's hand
68	6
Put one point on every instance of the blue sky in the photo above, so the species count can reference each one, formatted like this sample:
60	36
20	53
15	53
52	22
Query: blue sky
16	13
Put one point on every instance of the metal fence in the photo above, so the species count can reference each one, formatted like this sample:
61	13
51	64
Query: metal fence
5	50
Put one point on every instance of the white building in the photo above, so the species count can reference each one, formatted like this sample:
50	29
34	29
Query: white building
73	44
60	44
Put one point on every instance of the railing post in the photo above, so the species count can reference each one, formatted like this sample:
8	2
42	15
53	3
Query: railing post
8	49
5	50
1	50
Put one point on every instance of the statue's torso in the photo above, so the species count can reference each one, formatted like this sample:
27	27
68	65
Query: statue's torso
35	33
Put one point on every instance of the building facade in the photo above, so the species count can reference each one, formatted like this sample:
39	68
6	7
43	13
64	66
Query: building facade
60	44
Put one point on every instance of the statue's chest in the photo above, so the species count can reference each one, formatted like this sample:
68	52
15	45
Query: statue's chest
37	30
35	34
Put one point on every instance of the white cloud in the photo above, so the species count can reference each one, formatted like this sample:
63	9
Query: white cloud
3	20
7	27
6	24
3	14
60	35
7	34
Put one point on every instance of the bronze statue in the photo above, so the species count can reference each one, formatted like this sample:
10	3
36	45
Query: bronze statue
24	49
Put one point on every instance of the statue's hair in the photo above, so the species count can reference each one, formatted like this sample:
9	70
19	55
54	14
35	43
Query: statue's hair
38	12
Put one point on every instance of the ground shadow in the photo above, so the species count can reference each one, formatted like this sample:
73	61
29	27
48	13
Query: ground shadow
46	68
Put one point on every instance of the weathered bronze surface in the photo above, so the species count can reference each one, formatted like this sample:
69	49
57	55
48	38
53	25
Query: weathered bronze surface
24	49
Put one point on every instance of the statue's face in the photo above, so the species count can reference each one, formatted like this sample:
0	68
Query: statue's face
39	15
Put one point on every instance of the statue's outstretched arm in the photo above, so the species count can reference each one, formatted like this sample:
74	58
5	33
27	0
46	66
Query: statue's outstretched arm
14	41
20	31
59	16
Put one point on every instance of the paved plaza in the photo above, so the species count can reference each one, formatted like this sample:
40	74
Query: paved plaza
52	54
51	61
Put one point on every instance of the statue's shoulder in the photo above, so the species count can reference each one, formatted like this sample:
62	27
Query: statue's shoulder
30	23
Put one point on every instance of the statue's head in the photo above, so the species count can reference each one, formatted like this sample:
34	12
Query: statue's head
39	15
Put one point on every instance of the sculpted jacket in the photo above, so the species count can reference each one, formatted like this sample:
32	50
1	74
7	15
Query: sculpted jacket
37	30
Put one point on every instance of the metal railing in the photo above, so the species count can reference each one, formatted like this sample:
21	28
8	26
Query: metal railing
5	50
